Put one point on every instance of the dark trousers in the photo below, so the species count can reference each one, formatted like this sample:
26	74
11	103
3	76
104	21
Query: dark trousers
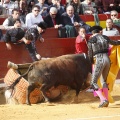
32	52
1	35
70	30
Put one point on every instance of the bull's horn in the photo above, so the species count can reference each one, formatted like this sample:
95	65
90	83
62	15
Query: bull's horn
12	65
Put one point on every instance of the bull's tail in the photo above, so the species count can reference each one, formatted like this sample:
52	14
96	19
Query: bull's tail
14	83
18	79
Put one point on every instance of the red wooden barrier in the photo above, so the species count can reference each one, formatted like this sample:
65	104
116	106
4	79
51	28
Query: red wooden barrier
102	17
50	33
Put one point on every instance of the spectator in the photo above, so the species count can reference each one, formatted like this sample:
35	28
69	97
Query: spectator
109	30
63	2
118	6
48	2
53	19
30	4
43	7
114	5
8	6
81	41
9	22
88	7
2	1
14	35
72	20
60	8
1	10
1	7
77	6
34	17
23	9
108	5
99	6
36	31
114	17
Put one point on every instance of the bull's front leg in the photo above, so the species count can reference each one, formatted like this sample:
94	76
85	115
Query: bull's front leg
75	100
78	87
29	90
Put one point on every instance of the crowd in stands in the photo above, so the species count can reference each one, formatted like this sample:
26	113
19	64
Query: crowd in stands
80	6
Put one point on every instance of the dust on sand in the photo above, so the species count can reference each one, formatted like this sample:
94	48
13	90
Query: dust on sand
64	109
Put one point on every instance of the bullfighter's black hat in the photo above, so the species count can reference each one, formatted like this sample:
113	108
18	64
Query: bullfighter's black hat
43	25
96	28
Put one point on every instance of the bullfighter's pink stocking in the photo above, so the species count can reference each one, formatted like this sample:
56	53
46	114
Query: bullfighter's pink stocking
99	93
105	91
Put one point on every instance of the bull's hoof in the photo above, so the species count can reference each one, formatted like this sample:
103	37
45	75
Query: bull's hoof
75	100
28	103
105	103
46	103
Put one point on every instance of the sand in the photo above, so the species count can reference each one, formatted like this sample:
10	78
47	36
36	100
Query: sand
64	109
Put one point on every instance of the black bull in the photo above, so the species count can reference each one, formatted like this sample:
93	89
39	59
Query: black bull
71	70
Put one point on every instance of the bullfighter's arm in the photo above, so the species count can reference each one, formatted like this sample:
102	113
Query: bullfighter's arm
90	51
112	42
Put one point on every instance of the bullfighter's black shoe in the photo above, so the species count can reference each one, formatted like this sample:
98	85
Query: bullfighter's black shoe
105	103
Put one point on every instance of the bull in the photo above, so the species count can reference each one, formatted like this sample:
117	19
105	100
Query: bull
70	70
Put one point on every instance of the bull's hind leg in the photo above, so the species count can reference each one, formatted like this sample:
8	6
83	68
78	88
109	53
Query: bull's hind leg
29	90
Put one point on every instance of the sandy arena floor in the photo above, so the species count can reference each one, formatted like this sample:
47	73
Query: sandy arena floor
86	109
